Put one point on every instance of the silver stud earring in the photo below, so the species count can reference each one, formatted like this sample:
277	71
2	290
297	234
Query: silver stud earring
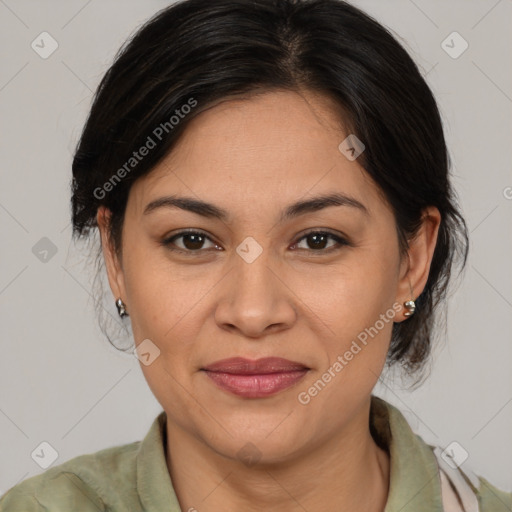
121	308
410	305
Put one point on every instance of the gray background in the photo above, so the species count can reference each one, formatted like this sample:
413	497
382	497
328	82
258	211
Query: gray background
62	382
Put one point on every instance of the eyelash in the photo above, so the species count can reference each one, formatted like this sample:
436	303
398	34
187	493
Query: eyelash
338	239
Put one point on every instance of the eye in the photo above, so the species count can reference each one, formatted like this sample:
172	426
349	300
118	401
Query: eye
316	241
191	241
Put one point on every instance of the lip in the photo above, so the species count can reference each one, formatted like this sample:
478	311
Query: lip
255	379
242	366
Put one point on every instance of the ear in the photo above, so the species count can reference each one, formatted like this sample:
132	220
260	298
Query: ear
415	266
112	262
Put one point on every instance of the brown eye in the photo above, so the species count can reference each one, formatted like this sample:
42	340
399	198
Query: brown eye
191	241
194	242
318	241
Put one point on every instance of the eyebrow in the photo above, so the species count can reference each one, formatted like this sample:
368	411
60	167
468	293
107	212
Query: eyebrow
296	209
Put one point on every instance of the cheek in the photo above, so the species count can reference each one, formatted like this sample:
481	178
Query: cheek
162	310
351	295
356	303
359	312
158	297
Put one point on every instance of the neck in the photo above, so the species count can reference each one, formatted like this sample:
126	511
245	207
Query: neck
348	471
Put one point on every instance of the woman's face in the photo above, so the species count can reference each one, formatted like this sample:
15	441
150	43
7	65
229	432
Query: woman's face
253	285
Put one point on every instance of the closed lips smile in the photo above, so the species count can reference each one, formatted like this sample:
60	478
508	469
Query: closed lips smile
255	379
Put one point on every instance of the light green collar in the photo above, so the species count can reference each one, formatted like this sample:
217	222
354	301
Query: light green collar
415	485
153	480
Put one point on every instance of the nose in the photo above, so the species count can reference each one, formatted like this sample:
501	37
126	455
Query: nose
255	299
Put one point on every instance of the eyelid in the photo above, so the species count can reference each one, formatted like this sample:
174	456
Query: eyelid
341	240
168	240
326	231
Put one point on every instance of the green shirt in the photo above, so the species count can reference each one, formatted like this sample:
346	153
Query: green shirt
134	477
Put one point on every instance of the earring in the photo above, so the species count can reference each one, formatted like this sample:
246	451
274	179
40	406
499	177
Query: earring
121	308
410	305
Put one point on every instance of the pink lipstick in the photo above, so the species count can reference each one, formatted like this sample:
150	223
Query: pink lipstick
255	379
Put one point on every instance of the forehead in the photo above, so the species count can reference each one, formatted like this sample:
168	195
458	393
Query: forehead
269	147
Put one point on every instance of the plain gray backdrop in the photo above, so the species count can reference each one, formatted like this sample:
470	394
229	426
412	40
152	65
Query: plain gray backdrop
60	380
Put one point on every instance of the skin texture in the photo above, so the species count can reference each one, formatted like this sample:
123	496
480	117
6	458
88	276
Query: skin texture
253	157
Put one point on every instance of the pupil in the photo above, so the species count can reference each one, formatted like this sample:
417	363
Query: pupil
322	245
196	242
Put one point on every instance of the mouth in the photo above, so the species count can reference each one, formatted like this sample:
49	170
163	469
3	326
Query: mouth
255	379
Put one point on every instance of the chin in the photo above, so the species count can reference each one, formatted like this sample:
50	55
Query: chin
257	448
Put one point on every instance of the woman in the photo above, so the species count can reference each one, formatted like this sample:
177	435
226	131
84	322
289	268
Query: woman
270	182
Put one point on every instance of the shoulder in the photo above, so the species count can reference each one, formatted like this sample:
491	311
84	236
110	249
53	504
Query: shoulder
492	499
90	482
450	481
473	491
